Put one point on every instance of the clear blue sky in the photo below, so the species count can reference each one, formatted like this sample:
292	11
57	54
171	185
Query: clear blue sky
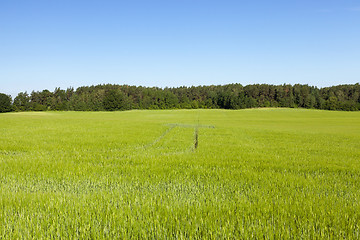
46	44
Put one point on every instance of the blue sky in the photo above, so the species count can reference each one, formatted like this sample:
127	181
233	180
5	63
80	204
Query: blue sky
46	44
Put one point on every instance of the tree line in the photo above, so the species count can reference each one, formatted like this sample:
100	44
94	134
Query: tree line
111	97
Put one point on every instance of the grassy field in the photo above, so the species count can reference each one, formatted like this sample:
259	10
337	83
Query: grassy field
257	173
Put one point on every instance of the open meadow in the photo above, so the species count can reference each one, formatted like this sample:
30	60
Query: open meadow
256	173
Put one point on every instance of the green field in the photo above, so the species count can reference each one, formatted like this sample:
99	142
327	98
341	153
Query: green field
256	173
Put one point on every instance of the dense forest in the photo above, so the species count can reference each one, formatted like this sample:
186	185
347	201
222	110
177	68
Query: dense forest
112	97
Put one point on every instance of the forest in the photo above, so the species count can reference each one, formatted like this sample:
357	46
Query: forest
112	97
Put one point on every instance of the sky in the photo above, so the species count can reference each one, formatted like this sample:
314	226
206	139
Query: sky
168	43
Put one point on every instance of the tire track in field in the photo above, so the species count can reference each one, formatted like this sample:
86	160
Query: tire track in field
194	145
159	138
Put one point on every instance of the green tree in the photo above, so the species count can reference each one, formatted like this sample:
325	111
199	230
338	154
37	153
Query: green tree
22	102
5	103
115	100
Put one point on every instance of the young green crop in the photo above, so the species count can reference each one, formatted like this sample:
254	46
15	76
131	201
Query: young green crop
256	173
